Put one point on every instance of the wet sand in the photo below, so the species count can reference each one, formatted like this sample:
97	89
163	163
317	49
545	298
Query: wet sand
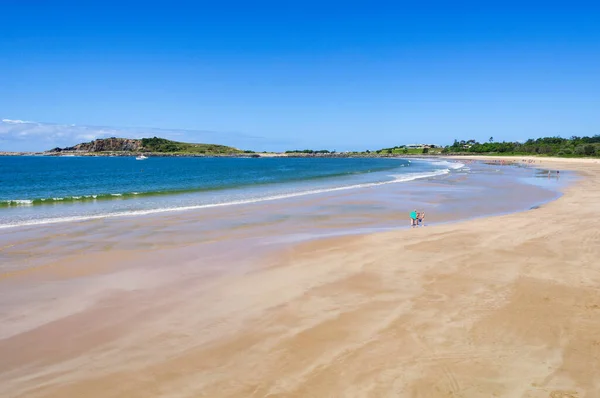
504	306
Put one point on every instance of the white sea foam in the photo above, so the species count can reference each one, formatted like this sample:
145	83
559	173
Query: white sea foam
18	202
448	164
396	179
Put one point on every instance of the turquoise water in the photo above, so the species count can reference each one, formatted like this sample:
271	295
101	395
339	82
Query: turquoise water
37	190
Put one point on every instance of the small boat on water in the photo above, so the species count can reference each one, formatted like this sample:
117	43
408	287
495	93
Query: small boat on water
141	157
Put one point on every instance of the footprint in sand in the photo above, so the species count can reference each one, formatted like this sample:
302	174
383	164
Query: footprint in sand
434	297
563	394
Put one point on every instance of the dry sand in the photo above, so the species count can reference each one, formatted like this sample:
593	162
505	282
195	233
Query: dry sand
497	307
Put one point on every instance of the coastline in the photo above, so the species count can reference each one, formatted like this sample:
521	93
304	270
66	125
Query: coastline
504	305
440	190
335	155
201	155
123	187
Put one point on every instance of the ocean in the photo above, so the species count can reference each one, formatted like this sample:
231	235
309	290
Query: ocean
42	190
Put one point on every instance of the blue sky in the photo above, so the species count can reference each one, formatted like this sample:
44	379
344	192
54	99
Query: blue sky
283	75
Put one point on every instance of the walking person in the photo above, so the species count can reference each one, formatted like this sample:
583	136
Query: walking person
413	218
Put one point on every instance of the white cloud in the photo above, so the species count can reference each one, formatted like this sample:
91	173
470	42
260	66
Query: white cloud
15	121
19	135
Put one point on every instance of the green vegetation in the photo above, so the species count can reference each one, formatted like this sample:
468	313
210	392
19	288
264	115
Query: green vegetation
161	145
403	150
394	151
548	146
310	151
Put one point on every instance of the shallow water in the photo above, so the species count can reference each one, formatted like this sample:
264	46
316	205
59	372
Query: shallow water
38	190
235	231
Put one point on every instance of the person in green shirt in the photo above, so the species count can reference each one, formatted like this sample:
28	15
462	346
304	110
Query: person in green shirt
413	218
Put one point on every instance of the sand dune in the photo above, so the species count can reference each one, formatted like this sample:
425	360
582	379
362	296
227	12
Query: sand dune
503	306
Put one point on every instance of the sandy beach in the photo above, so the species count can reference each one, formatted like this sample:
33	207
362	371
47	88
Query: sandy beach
505	306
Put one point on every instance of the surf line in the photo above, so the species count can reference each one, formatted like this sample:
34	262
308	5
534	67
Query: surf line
398	178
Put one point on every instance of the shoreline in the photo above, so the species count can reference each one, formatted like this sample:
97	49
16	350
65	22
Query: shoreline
504	305
297	155
512	160
81	200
